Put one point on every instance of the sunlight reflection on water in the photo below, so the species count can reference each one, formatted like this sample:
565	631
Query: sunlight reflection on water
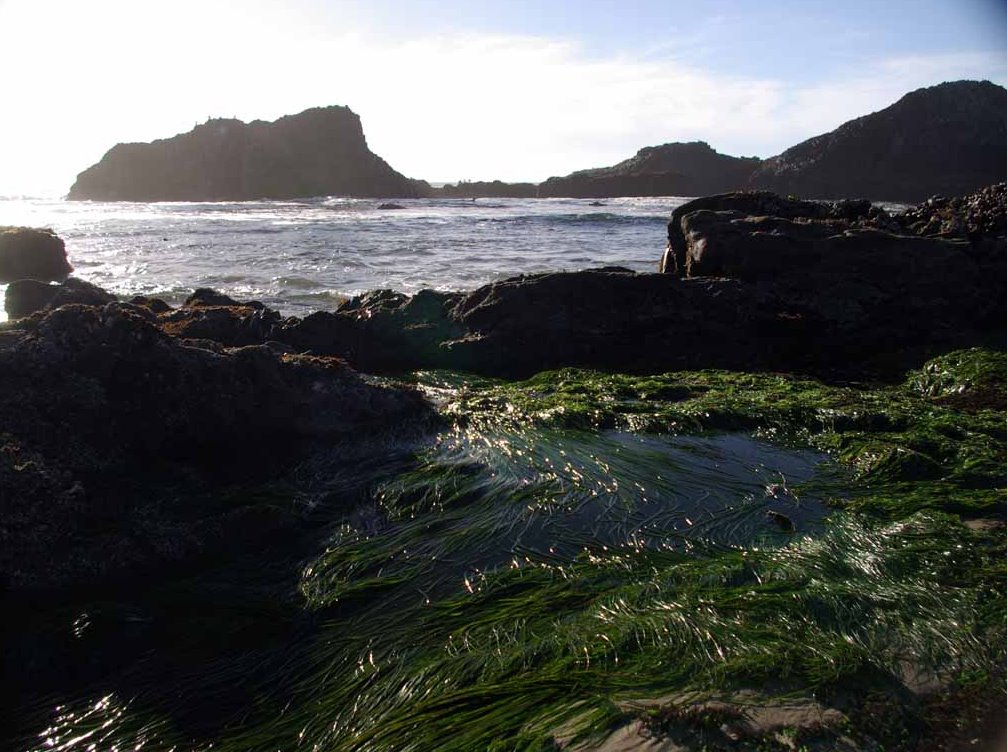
342	247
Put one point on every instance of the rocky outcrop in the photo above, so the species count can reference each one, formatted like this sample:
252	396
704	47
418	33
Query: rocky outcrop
948	139
110	425
761	282
27	253
677	169
113	412
758	204
319	152
28	296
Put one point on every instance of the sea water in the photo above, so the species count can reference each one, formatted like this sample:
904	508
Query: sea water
305	255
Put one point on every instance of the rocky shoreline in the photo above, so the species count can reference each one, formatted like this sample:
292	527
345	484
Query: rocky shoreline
751	281
139	439
92	386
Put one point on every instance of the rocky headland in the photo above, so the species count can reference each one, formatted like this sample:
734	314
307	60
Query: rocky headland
949	139
318	152
678	169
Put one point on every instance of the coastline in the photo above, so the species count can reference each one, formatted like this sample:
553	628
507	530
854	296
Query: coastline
248	439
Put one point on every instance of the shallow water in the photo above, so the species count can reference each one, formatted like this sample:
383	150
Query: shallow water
207	661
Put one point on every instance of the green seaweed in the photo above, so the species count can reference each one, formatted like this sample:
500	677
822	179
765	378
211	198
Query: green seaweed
582	539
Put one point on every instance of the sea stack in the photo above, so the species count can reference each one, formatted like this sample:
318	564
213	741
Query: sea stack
319	152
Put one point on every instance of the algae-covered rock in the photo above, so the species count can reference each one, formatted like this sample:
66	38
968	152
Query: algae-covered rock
970	379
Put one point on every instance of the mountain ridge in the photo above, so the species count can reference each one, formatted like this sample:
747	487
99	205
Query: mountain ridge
946	139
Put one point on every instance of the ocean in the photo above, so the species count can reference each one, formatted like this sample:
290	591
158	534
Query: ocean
307	255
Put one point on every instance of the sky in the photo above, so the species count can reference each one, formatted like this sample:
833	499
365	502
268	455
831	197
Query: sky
449	90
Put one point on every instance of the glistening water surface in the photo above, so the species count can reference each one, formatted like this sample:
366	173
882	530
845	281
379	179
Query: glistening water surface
512	578
305	255
481	526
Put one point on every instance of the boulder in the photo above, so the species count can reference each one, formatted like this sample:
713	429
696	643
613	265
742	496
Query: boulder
382	331
154	305
27	253
210	315
204	296
27	296
760	204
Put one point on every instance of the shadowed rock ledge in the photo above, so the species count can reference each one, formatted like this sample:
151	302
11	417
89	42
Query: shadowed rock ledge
114	433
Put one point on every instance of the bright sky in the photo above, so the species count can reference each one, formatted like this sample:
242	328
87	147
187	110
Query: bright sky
477	90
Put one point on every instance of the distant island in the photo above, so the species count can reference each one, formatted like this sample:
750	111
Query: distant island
947	139
678	169
319	152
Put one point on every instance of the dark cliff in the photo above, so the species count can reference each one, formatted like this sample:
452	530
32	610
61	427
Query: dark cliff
948	139
677	169
319	152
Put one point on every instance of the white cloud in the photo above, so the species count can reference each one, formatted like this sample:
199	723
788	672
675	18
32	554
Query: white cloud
80	77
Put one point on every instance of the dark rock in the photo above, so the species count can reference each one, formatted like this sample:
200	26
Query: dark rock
382	330
319	152
949	139
25	297
234	325
154	305
782	521
27	253
759	204
204	296
850	272
603	318
390	206
101	409
80	292
678	169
